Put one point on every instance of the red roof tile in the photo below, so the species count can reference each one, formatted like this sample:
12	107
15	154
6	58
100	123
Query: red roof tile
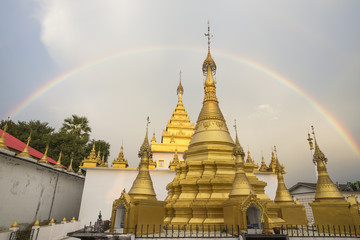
14	143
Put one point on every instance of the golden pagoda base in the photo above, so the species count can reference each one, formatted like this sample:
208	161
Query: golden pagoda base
335	213
293	214
89	164
145	216
119	165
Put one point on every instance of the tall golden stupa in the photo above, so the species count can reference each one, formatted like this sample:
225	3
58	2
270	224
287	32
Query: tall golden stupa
176	137
200	191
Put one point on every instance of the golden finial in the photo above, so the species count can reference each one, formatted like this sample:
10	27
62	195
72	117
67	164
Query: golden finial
64	220
209	63
180	89
318	154
36	224
44	158
310	142
145	146
249	159
70	169
208	35
15	225
238	150
73	219
153	138
58	163
52	221
98	158
2	139
25	152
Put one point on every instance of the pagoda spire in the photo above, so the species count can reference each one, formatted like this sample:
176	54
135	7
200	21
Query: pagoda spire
142	187
210	114
25	152
70	169
2	139
249	158
241	185
180	92
58	163
263	167
325	188
44	159
282	193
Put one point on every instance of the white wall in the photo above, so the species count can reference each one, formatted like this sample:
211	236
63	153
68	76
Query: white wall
271	180
104	185
31	191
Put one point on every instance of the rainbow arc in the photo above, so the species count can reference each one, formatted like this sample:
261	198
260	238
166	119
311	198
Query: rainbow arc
255	65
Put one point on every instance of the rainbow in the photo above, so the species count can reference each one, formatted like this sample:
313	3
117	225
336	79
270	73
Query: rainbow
257	66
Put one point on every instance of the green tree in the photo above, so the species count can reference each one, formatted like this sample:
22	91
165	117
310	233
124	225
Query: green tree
78	126
355	185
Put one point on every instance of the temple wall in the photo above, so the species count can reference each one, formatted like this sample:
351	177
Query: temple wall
104	185
271	180
168	157
31	191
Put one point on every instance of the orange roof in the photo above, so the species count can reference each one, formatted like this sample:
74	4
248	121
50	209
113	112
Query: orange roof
14	143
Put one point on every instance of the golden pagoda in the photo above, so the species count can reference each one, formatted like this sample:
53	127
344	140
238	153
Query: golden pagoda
292	212
263	167
120	162
175	161
272	165
206	185
2	139
91	160
208	172
25	152
330	207
140	206
176	136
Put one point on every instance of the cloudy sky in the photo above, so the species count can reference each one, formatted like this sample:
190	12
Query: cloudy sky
282	67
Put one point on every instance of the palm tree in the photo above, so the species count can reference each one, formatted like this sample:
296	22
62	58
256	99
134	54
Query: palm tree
77	125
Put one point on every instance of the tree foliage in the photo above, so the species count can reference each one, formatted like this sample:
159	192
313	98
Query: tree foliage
355	186
72	140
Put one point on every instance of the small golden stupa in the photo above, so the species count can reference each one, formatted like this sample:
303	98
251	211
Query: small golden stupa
292	212
58	163
25	152
44	158
139	205
91	160
70	169
120	162
330	206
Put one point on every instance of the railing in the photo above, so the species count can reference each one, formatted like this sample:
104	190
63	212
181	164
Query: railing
187	231
321	231
224	231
